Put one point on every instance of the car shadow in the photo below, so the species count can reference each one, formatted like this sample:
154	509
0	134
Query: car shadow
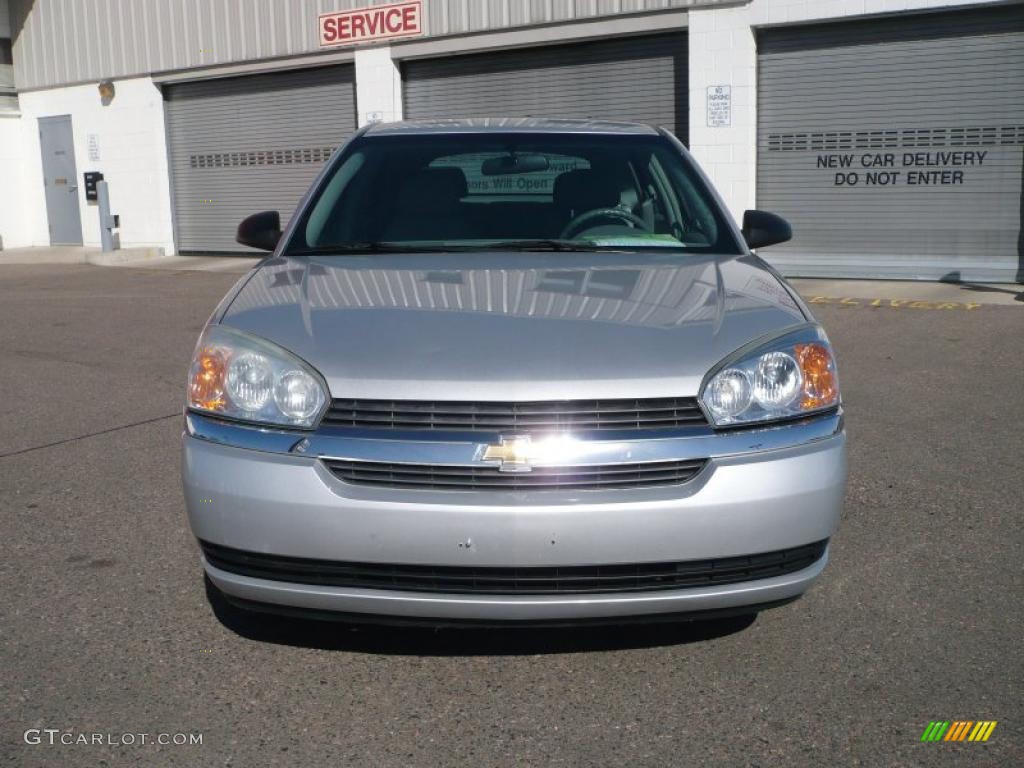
424	640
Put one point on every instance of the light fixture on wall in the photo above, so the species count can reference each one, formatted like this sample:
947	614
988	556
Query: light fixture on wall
106	89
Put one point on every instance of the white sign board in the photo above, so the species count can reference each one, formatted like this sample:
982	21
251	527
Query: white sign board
94	147
719	106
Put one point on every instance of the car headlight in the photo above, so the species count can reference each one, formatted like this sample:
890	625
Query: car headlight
243	377
789	376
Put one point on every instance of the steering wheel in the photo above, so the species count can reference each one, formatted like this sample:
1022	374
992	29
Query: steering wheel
602	213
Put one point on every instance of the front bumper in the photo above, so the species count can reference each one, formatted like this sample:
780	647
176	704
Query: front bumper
287	503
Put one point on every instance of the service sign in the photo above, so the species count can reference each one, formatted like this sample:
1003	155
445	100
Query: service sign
378	22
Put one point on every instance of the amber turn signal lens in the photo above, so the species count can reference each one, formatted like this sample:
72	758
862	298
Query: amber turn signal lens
819	369
206	390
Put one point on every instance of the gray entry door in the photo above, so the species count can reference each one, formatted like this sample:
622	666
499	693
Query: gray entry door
642	79
60	180
895	145
241	145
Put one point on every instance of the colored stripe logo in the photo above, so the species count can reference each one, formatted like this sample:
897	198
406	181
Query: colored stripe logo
959	730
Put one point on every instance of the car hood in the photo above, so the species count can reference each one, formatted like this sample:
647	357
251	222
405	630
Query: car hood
512	326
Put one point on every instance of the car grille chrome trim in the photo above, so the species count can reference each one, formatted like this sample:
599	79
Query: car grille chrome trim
441	477
464	448
532	417
529	580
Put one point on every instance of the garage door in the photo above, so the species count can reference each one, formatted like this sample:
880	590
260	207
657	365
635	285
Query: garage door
247	144
630	78
895	146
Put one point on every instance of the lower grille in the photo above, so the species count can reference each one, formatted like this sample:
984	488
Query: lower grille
575	579
485	478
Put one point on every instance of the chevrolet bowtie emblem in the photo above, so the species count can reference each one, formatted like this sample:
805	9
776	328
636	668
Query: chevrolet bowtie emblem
513	454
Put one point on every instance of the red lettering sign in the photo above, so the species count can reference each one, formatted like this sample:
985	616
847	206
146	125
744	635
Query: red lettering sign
379	22
329	31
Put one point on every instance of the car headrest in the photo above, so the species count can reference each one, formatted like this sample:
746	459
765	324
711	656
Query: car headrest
433	188
586	189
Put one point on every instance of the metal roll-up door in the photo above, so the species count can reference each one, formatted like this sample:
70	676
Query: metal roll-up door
640	79
895	146
254	143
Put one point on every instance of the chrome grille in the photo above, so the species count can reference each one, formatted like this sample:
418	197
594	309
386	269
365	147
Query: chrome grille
532	417
485	478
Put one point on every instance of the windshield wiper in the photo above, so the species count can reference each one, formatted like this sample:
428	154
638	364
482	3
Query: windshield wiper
536	245
378	246
369	246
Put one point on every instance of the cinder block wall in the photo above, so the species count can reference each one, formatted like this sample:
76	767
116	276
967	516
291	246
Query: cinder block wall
14	231
129	134
378	85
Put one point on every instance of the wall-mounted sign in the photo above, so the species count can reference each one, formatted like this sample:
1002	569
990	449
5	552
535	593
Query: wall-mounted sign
379	22
94	147
916	168
719	106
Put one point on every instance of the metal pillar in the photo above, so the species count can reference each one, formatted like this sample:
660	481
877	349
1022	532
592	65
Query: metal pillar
107	221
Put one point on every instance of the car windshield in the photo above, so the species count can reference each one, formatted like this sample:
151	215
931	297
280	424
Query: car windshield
511	191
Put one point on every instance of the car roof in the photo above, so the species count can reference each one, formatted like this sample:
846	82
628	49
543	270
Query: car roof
508	125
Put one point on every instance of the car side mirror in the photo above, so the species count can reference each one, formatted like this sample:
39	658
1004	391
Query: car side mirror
761	228
261	230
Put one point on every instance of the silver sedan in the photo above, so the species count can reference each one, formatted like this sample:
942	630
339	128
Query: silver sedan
513	371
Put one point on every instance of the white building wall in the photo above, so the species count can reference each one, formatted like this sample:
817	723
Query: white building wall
723	51
132	146
378	86
13	232
14	229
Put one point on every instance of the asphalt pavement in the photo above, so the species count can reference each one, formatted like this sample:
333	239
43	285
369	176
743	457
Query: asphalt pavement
106	630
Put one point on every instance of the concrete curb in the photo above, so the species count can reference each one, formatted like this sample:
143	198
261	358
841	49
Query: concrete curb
122	256
77	254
